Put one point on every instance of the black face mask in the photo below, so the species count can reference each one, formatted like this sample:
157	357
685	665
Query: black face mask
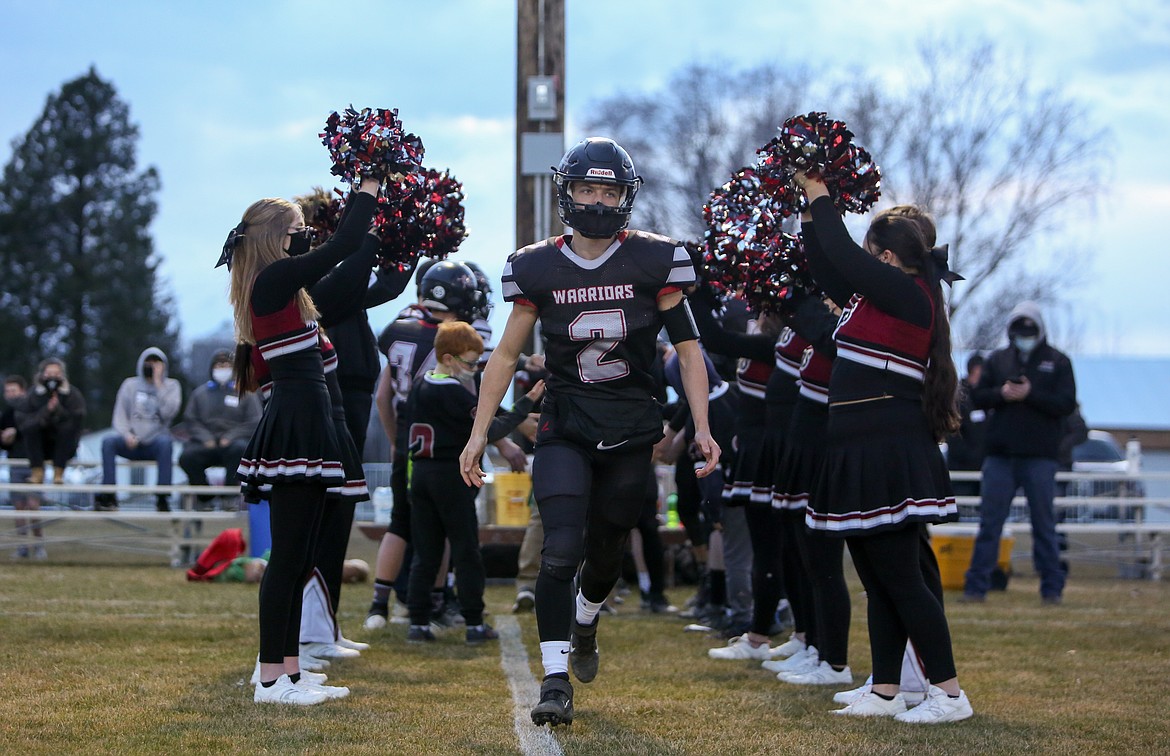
299	242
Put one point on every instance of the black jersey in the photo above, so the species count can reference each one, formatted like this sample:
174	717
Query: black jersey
441	413
409	346
599	318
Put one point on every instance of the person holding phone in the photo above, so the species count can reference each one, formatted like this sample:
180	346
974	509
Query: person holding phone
146	404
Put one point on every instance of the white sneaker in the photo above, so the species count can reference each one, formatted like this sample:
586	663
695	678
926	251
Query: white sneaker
800	662
328	651
400	614
789	647
316	678
847	697
284	692
353	645
937	708
740	648
332	692
311	663
869	704
824	674
374	622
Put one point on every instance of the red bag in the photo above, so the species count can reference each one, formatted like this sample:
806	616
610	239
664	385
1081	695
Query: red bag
218	555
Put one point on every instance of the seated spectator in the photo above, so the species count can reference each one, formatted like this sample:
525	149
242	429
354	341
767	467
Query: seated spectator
51	421
220	423
146	404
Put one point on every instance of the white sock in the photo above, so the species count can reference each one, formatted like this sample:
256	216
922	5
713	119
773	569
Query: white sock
554	655
644	582
586	609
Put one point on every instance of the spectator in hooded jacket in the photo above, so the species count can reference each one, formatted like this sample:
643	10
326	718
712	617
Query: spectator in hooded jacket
1029	388
220	422
146	404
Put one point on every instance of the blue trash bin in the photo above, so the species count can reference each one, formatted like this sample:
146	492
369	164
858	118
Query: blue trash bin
259	529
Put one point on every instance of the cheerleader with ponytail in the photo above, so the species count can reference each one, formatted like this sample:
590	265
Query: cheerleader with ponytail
891	400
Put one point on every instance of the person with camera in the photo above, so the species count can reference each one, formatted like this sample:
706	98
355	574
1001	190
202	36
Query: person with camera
1029	389
146	404
50	420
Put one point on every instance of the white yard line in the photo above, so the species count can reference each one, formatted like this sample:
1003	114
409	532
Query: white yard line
534	741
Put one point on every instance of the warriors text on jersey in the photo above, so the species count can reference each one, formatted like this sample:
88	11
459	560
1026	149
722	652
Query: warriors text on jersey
599	318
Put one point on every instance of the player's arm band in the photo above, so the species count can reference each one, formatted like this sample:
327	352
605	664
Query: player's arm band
679	322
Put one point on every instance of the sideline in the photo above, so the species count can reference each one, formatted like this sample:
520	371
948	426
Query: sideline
534	741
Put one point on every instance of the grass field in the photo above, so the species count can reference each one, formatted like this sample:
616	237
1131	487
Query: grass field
130	658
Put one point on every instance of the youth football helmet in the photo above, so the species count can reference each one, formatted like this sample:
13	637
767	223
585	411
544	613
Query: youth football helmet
601	161
450	286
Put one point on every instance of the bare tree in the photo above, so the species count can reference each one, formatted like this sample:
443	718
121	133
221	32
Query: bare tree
1000	163
688	139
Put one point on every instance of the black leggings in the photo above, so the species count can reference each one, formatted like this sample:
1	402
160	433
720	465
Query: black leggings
768	571
588	503
336	525
825	569
902	604
295	512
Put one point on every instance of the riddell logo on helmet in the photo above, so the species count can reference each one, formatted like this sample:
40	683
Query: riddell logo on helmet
602	172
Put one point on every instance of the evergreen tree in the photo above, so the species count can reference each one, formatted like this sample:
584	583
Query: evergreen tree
80	272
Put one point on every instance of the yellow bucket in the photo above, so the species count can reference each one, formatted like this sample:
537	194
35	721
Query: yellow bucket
953	547
512	489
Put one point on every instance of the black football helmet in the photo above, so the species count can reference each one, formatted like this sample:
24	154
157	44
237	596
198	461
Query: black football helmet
485	290
420	270
601	161
450	286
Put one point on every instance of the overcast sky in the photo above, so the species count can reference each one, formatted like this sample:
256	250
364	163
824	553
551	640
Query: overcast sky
230	96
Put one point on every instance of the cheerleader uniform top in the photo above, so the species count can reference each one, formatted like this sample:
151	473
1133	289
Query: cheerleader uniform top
296	440
781	391
883	468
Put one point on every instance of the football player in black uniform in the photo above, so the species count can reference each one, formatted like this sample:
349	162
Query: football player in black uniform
440	412
601	295
446	291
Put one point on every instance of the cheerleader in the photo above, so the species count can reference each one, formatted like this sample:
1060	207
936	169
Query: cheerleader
295	454
891	398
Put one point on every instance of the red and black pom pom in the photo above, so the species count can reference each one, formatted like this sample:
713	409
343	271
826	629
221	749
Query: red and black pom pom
819	145
745	249
370	142
420	215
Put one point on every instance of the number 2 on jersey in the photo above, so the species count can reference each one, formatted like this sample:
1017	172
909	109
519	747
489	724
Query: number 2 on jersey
604	330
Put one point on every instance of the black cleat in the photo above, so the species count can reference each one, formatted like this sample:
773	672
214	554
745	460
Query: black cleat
556	703
583	656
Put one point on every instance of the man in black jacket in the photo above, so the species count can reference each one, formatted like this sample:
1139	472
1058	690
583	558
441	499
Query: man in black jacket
1029	389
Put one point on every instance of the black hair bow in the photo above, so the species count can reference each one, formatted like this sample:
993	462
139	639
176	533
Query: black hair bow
235	236
941	269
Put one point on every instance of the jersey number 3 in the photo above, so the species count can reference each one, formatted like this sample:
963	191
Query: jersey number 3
604	330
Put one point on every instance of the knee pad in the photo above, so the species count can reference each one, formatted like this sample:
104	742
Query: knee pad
561	572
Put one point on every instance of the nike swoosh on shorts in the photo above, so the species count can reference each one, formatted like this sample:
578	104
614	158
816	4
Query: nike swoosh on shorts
602	446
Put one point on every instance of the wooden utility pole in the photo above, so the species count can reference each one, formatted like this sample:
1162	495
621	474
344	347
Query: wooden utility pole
540	120
540	114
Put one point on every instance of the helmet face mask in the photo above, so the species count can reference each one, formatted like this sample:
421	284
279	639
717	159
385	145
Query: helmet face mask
596	160
450	286
484	311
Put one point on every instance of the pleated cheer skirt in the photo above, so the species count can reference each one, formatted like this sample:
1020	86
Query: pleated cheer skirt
295	442
798	471
882	471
